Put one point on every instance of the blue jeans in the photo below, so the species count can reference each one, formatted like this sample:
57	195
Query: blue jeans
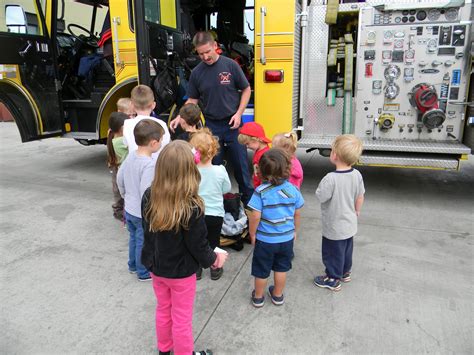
337	256
135	245
237	152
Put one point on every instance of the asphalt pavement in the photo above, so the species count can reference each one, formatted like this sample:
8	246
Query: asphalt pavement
65	286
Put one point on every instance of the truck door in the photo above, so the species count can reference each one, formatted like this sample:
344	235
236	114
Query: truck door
28	71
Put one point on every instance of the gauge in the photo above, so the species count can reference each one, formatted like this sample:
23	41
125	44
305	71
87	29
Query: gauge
433	14
392	72
377	84
371	37
451	14
391	91
386	56
432	45
398	43
398	19
409	55
387	36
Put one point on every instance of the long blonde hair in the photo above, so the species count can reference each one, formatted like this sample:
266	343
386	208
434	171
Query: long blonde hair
174	191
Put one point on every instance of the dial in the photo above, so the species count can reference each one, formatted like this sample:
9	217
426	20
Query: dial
410	54
387	55
371	36
433	14
391	91
398	43
387	35
377	84
392	72
432	45
451	14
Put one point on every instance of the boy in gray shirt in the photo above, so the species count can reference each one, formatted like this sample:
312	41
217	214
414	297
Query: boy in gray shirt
134	176
341	194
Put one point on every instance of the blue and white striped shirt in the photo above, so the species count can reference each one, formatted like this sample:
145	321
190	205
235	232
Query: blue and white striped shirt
278	204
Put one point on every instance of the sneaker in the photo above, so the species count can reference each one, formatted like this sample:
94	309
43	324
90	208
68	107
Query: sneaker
203	352
216	273
346	277
132	271
327	282
257	302
145	278
199	273
277	301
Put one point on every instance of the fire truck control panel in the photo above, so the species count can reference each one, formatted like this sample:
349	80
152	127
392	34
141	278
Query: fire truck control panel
412	73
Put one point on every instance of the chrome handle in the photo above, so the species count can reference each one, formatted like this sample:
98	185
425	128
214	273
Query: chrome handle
115	23
26	50
263	13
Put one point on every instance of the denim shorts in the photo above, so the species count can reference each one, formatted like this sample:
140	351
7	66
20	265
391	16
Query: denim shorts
271	256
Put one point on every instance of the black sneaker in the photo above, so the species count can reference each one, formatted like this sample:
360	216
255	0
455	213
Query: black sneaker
216	273
346	277
257	302
327	282
199	273
277	301
144	278
203	352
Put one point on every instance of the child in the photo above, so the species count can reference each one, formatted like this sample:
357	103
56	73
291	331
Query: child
175	245
143	103
214	183
124	104
133	178
116	154
252	135
273	224
191	120
341	194
289	142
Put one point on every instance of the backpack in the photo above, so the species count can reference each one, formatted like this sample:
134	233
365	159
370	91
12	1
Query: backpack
165	87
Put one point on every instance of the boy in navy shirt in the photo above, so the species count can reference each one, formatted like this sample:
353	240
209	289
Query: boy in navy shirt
273	224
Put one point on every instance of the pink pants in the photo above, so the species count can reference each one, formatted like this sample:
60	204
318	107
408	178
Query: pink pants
174	313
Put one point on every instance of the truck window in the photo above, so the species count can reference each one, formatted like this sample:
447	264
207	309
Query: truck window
20	17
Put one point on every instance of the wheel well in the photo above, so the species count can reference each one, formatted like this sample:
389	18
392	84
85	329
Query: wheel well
22	111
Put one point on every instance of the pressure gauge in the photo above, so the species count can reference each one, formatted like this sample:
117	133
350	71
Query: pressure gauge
386	56
409	56
432	45
387	36
377	86
371	36
408	74
451	14
392	72
391	91
433	14
398	43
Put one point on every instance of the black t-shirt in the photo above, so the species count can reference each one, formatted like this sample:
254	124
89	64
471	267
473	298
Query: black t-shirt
216	86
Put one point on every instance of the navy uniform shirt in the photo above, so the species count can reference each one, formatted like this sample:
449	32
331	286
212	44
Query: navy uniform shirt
217	87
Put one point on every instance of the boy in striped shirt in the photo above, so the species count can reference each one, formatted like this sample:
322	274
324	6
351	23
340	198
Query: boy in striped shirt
273	224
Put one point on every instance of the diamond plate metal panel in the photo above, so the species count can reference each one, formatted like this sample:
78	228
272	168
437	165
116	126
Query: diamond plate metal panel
296	70
410	162
401	145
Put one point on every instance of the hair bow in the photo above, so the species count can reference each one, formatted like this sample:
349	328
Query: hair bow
197	155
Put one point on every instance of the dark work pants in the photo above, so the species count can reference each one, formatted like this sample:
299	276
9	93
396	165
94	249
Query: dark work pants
337	256
237	153
214	226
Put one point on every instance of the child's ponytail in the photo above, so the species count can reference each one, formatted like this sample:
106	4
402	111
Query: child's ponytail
116	121
286	141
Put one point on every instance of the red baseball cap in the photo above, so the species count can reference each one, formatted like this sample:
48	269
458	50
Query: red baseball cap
253	129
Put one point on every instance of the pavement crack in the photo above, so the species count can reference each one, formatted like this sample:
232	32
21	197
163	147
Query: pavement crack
223	296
